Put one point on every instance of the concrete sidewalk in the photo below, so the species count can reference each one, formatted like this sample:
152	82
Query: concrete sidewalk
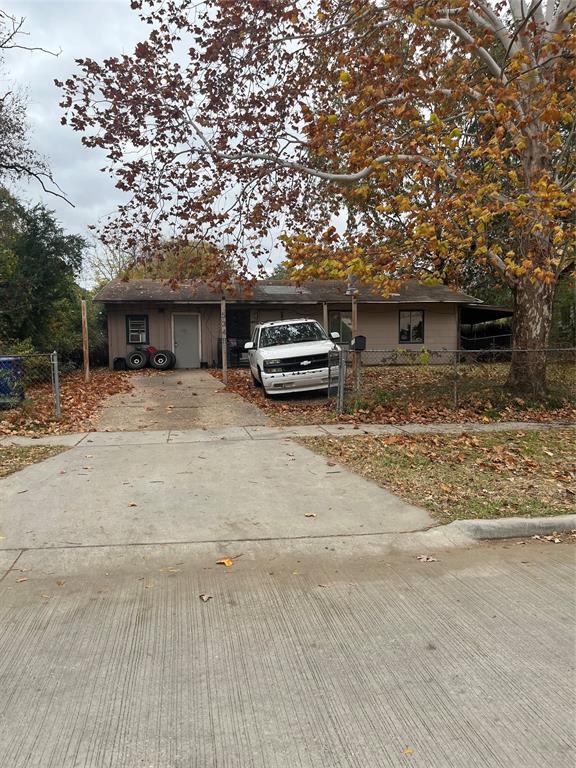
235	433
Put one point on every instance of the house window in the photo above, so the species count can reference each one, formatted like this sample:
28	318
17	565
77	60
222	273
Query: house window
411	326
341	322
137	329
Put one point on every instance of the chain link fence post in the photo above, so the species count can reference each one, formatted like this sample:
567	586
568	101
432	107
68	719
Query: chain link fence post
341	380
357	371
55	383
456	373
331	357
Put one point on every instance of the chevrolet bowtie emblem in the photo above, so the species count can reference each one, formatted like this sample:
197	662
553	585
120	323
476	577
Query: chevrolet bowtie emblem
305	362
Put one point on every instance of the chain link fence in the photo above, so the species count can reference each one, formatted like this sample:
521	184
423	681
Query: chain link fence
444	378
30	379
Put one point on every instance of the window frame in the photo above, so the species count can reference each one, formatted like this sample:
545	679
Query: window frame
410	312
147	327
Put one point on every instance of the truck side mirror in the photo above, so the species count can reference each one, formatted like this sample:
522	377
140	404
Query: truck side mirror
249	345
334	335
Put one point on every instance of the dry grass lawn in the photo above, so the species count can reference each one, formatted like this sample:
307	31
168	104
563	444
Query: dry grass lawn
457	477
15	458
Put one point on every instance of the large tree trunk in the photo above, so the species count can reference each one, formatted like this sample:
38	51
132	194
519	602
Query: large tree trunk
530	331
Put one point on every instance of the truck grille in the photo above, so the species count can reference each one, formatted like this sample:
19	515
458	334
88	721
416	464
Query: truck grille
291	364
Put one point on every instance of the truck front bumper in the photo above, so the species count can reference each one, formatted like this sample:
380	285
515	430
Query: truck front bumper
299	381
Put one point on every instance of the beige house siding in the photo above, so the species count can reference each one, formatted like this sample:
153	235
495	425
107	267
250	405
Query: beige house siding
160	328
379	323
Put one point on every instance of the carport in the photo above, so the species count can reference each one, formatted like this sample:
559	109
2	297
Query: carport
485	326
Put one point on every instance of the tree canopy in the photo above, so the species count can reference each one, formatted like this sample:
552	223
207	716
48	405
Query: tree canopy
172	260
387	140
39	297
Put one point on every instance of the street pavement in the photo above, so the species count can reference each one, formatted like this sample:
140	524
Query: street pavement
109	658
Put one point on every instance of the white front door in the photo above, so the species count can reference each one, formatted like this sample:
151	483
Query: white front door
187	340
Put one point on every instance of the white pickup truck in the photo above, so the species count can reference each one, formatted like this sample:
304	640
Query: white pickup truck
292	356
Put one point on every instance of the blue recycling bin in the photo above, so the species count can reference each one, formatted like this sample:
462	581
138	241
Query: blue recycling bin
11	382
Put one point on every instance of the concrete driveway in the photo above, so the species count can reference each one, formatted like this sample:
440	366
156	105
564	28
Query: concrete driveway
126	489
326	643
177	400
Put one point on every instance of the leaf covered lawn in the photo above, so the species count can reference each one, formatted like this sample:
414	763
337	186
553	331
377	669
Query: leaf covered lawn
80	404
15	457
459	477
416	394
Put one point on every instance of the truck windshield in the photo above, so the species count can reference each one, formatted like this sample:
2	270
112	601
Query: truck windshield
291	334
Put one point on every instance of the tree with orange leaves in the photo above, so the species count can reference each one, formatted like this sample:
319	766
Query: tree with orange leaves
387	139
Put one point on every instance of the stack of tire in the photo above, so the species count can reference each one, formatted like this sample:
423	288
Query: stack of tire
161	359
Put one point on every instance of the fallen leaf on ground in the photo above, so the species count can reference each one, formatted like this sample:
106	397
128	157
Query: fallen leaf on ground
227	561
132	504
24	578
171	569
204	597
427	559
80	401
408	751
60	583
309	514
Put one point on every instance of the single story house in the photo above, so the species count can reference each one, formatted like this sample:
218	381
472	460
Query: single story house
187	319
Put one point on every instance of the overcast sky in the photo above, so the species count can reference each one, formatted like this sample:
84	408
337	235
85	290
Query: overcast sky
80	28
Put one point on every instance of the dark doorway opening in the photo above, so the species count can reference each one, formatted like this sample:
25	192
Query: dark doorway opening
238	332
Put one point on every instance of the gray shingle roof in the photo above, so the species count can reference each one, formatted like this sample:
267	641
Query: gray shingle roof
275	292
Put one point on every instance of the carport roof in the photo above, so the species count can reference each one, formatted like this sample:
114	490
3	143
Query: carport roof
274	292
483	313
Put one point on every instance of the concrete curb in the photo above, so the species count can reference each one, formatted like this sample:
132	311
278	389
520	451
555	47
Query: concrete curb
511	527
